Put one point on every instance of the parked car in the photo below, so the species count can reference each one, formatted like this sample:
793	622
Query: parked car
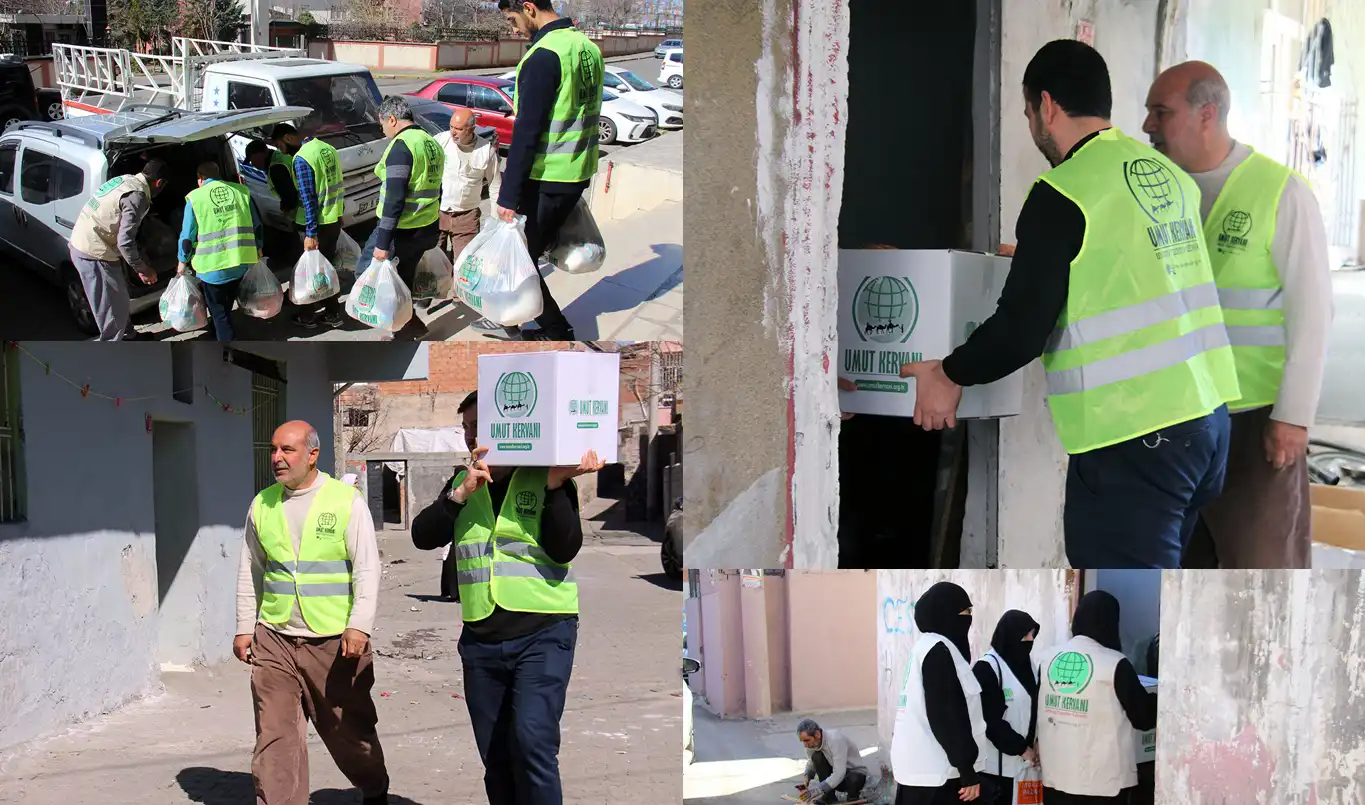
666	104
48	171
690	666
671	73
621	121
434	117
20	99
489	98
667	45
671	552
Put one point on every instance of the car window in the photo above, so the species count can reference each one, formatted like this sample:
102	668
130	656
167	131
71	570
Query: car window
612	82
248	96
45	178
488	99
9	152
457	94
677	57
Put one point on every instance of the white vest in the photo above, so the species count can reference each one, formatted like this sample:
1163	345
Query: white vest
96	229
1018	710
917	759
1081	722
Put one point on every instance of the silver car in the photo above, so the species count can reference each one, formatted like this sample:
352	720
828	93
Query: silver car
667	45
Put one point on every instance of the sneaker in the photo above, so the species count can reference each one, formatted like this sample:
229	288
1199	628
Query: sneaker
541	335
485	324
308	321
332	318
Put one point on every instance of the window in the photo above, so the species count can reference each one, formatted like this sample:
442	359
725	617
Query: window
457	94
267	414
45	178
9	152
675	57
489	100
12	499
610	81
357	418
248	96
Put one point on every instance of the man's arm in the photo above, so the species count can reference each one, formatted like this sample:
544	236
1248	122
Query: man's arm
1050	232
434	526
308	196
257	229
945	705
250	582
366	570
189	235
1300	254
284	187
537	85
561	529
1137	702
132	209
399	170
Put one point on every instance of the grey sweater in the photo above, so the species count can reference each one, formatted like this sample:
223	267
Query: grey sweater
842	755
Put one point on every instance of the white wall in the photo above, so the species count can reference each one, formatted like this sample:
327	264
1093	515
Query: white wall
1271	688
1044	594
78	580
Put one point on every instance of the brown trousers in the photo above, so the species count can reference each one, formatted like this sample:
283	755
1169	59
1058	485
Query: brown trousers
457	230
295	680
1264	518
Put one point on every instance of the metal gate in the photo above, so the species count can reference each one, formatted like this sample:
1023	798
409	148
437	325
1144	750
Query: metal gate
12	500
267	414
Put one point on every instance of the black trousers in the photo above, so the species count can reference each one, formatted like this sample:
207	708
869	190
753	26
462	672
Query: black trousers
946	794
545	214
1052	796
408	247
328	234
1004	790
852	784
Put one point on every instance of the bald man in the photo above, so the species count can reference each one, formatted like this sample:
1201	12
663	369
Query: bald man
1268	246
306	596
472	164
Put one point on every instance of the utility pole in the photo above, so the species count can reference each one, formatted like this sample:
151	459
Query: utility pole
655	472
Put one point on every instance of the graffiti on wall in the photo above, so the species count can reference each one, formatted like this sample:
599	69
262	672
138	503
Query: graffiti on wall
898	615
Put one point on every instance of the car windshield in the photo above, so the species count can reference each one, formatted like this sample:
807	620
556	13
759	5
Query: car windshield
345	108
433	120
607	95
635	82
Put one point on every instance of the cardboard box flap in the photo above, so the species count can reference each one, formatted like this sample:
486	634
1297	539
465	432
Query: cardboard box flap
1338	516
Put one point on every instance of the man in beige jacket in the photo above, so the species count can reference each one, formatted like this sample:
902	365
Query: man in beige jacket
304	618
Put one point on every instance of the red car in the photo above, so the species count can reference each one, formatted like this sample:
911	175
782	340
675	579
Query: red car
489	98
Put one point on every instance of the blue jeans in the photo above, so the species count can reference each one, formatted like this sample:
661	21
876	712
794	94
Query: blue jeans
219	300
1135	504
515	691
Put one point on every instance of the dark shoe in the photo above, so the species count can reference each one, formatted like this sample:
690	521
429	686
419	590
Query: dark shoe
382	799
332	318
421	304
485	324
308	321
541	335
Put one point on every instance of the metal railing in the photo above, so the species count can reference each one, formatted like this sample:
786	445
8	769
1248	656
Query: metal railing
427	34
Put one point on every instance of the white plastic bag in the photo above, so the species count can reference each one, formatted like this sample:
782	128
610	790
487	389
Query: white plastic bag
314	280
348	253
579	248
435	277
496	275
182	305
380	299
260	294
1028	786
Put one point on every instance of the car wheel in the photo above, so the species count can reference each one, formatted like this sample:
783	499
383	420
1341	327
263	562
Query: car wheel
671	559
606	131
76	300
12	114
675	82
55	111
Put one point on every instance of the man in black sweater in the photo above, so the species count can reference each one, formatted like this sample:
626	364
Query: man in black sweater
546	202
516	661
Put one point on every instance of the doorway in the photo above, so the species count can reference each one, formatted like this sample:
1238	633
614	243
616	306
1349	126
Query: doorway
920	172
175	507
393	496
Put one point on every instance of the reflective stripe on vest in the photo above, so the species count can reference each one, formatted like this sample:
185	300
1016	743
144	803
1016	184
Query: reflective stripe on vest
1239	231
227	239
422	202
1141	344
568	151
319	578
326	165
498	558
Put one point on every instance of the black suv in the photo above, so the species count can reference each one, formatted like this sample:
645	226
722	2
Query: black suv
19	99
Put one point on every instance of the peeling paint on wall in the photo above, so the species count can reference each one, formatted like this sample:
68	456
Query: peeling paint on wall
1268	672
726	541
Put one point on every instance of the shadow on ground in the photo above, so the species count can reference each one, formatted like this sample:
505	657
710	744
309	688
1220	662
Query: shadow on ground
662	581
617	292
218	787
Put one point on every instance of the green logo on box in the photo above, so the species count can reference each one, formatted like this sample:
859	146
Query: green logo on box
885	309
515	395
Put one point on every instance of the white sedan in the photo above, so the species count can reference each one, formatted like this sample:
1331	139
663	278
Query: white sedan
666	104
671	73
621	120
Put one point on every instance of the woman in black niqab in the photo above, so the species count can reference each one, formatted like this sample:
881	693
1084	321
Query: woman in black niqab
939	611
1097	617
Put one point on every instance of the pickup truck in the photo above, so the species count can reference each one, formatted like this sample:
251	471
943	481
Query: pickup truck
202	75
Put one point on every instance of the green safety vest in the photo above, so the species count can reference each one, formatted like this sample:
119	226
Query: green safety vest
319	578
422	205
1141	343
279	158
1239	231
326	165
498	559
227	238
568	150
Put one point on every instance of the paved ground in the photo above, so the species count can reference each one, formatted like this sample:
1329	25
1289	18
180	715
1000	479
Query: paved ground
621	730
756	762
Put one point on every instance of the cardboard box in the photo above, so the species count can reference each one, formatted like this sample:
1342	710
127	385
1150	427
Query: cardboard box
546	409
1338	516
896	307
1146	741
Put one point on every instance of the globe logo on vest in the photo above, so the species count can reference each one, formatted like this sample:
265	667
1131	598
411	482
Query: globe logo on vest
327	523
1155	189
515	395
1070	672
885	309
220	195
1236	227
526	504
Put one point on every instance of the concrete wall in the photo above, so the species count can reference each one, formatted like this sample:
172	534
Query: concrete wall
457	55
83	569
1271	704
1047	595
833	639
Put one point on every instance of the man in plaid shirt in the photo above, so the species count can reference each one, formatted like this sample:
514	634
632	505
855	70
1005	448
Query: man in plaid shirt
319	218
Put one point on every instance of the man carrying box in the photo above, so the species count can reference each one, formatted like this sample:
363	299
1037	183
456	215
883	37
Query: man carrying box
1111	284
515	532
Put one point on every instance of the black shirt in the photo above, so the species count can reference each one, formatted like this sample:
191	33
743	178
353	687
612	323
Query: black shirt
561	537
1048	236
1002	736
537	87
284	187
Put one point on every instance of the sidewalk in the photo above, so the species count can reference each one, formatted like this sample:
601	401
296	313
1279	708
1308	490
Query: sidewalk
756	762
621	728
